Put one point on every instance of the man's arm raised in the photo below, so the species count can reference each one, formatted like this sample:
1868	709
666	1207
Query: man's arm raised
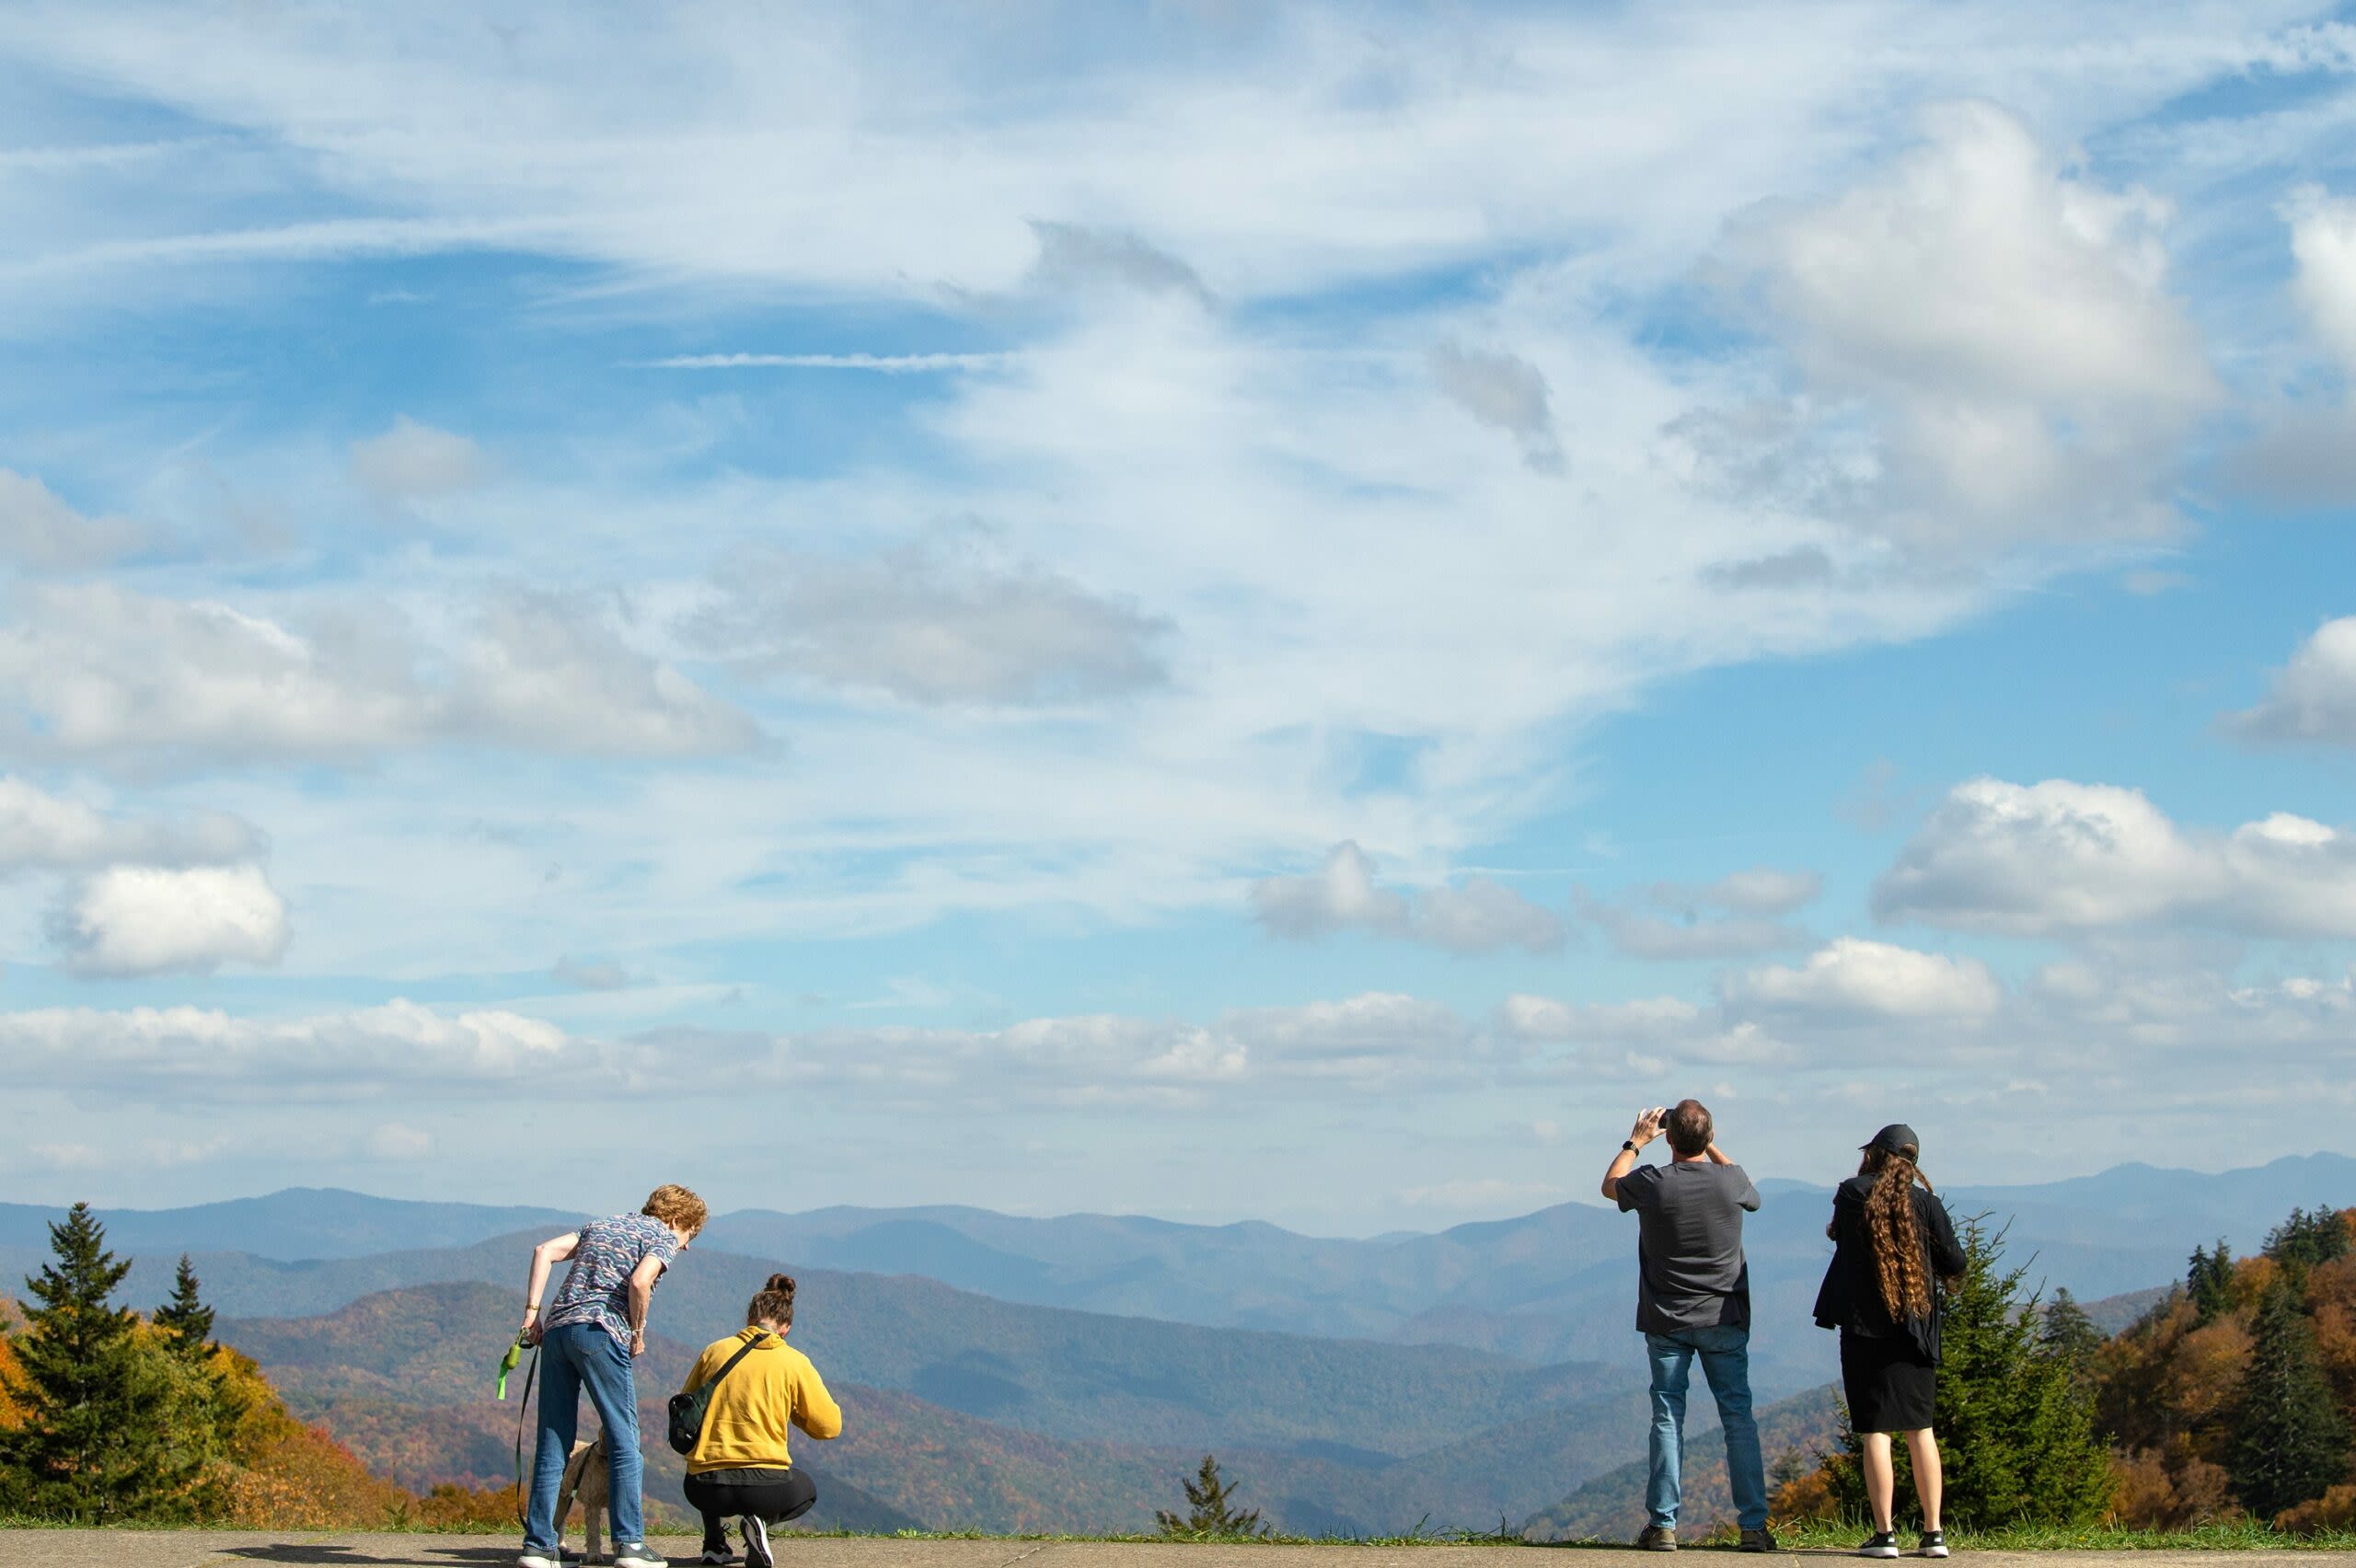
1647	1128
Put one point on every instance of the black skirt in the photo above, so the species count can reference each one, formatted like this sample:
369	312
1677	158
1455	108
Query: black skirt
1891	1384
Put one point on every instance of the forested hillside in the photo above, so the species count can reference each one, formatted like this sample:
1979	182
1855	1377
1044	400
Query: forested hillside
403	1378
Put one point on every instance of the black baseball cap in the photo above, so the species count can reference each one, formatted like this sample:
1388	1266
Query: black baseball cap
1896	1138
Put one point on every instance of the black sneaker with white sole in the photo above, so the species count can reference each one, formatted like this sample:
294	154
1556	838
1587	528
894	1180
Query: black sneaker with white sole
757	1542
1881	1543
1934	1543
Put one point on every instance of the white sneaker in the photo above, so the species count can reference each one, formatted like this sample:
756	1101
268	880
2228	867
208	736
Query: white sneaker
639	1556
533	1557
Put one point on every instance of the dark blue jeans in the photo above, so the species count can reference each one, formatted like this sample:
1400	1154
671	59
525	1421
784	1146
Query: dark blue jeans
573	1357
1726	1362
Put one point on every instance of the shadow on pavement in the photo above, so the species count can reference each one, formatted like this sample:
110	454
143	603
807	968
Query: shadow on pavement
328	1554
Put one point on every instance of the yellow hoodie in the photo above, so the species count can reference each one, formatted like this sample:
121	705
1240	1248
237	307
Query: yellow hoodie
773	1388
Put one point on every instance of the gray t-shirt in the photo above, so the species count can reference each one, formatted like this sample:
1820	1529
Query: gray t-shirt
1689	1270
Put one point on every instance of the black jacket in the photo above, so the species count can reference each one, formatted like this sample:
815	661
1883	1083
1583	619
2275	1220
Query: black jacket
1850	1298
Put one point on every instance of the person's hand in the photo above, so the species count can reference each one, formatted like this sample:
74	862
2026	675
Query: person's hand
530	1333
638	1343
1647	1127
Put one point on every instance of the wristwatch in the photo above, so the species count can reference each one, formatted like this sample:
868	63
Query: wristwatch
1629	1145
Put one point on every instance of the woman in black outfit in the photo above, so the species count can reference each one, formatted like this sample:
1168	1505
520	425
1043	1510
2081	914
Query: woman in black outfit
1891	1237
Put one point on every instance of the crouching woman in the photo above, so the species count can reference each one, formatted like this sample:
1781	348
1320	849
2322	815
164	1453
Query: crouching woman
740	1468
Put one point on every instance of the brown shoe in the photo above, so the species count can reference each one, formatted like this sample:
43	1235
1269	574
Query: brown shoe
1653	1537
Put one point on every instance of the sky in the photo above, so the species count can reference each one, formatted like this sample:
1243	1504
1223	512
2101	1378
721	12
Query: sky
1191	608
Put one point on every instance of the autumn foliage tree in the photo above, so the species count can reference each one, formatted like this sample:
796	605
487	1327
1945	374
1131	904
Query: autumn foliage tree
105	1416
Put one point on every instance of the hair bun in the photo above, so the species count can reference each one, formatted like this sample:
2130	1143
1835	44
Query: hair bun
781	1283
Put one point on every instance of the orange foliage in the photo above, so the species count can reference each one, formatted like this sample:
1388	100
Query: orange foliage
485	1509
2335	1510
2170	1488
2331	1298
1808	1497
11	1377
2204	1375
305	1480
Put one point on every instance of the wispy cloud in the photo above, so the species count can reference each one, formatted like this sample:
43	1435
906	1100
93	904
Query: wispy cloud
890	364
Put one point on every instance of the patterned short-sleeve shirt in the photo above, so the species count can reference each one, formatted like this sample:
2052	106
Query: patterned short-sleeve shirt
597	1288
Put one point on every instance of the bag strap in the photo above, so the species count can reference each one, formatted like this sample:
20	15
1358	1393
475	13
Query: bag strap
750	1345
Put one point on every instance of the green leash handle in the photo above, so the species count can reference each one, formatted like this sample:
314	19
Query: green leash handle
508	1363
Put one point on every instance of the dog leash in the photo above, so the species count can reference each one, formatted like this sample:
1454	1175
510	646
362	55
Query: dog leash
523	1408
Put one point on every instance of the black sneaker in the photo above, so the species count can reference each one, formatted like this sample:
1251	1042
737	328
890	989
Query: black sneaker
757	1542
1656	1537
1881	1543
1760	1540
1934	1543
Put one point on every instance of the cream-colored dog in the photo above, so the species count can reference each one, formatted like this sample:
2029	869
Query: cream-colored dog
585	1477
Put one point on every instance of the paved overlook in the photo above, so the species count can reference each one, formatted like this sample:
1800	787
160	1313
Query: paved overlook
230	1549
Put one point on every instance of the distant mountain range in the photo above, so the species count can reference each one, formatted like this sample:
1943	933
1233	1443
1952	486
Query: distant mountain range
1554	1285
1062	1373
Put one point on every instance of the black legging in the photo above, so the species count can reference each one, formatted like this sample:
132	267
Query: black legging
773	1497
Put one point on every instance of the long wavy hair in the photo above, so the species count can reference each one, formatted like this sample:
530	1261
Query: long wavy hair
1895	1234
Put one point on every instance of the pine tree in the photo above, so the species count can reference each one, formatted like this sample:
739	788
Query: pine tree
2307	1238
185	1318
1212	1514
2017	1435
106	1435
2290	1442
2209	1280
2070	1336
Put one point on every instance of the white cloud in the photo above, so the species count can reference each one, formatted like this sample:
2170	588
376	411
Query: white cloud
932	624
593	975
1505	391
551	674
399	1141
418	462
1480	915
134	920
1727	919
174	1054
2054	857
1856	980
2014	318
2313	697
1074	256
46	832
2323	244
102	671
39	530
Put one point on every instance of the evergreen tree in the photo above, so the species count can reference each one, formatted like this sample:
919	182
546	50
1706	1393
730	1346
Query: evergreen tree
2290	1443
2070	1336
2209	1280
2307	1238
106	1435
2017	1435
185	1318
1212	1512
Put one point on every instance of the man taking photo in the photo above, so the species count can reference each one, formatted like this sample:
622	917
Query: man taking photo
1692	1299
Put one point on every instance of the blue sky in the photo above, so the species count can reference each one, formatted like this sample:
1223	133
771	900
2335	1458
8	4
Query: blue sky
1216	610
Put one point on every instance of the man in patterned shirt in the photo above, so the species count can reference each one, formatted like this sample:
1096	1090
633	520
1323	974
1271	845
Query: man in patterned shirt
588	1338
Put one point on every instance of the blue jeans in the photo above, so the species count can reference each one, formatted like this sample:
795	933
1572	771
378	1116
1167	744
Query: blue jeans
572	1357
1725	1361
